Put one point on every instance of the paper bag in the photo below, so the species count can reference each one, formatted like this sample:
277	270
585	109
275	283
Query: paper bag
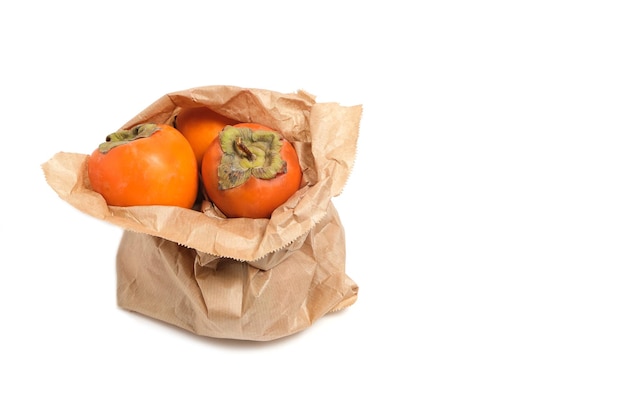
238	278
225	298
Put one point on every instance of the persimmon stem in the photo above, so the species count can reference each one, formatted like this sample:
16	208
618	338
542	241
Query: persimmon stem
243	148
123	136
247	153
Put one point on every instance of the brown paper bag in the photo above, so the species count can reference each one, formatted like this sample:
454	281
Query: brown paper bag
239	278
225	298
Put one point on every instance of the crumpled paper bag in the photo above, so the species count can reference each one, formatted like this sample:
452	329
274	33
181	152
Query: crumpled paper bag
239	278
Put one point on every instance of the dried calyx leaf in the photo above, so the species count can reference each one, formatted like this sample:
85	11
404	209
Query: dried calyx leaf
249	153
124	136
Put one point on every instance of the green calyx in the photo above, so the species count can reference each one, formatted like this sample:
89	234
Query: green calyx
249	153
124	136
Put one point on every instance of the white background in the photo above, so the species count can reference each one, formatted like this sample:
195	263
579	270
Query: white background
485	215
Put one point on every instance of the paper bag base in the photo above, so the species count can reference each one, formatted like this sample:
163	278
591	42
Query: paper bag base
225	298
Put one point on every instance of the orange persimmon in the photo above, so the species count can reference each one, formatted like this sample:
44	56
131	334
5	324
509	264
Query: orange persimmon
249	170
149	164
200	125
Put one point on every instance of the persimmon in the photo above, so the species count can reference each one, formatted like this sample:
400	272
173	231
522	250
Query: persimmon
200	125
249	170
149	164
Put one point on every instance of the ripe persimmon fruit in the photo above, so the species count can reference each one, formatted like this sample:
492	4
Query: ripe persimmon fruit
200	125
149	164
250	170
